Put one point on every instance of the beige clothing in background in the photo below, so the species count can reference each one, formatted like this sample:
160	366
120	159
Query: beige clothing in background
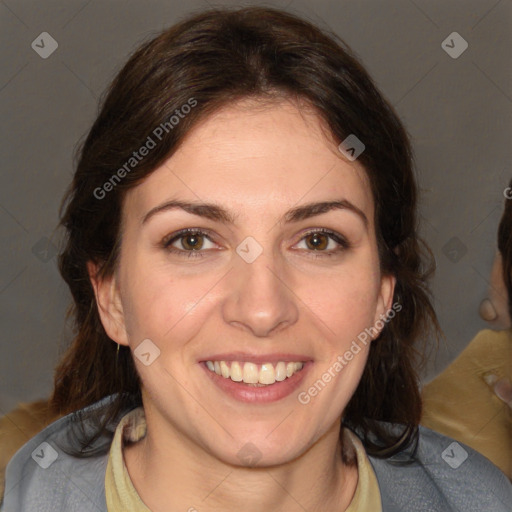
17	427
460	404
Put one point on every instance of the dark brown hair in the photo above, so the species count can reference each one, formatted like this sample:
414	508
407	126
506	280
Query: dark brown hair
505	245
217	57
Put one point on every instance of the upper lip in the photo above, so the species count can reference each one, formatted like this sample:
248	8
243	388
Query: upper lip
257	358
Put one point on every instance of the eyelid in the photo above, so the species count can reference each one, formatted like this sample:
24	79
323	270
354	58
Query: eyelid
170	239
338	238
341	240
167	240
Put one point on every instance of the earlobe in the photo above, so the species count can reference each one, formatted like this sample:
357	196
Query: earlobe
388	291
385	301
109	304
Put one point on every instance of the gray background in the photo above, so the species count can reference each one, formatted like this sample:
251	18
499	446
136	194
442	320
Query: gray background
458	112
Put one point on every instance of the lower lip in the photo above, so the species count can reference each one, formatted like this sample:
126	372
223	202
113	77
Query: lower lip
265	394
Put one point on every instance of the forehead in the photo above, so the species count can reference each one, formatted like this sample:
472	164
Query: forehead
254	157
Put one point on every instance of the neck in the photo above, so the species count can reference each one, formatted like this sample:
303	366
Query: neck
170	472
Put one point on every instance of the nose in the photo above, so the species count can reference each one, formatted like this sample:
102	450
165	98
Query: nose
259	298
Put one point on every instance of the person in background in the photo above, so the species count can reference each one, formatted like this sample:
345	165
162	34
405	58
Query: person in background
471	400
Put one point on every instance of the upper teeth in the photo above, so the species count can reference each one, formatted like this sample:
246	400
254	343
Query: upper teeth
251	373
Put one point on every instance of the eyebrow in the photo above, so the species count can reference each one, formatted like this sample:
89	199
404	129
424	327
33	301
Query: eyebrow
218	213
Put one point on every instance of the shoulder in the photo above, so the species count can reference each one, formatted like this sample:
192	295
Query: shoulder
43	477
18	426
489	339
442	474
486	345
489	349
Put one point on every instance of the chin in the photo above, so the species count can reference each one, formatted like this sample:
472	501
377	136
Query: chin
258	451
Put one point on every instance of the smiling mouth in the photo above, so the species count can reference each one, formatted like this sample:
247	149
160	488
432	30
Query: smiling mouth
257	375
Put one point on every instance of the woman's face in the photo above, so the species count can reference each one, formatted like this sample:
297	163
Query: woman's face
275	275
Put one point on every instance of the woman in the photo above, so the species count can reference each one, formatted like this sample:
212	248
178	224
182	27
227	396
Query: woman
471	400
248	285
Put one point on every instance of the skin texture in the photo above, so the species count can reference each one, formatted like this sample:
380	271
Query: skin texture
498	296
257	161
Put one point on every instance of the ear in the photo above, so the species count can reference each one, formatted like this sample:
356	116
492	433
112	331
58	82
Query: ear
108	300
384	302
494	309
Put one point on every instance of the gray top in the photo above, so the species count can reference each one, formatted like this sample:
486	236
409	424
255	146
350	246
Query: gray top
444	476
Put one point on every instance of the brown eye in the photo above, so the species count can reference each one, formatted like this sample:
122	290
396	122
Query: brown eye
322	242
192	241
189	243
317	241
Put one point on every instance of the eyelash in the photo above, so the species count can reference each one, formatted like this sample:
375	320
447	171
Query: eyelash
339	239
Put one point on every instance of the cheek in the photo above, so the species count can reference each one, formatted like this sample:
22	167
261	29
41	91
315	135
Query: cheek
162	305
158	304
346	302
